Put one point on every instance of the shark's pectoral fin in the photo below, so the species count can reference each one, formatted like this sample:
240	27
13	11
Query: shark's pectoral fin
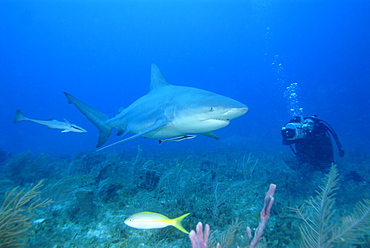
211	135
158	124
66	131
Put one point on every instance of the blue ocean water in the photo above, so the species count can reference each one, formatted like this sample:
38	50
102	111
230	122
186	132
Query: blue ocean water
276	56
101	51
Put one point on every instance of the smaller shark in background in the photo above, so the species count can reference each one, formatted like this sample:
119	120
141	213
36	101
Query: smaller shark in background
51	123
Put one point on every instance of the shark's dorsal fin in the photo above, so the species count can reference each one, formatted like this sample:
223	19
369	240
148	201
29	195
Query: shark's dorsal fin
67	122
157	79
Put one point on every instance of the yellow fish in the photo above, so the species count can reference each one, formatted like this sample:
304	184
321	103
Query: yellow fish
150	220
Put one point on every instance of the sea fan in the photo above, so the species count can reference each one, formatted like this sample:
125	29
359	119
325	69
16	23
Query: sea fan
15	215
319	228
355	225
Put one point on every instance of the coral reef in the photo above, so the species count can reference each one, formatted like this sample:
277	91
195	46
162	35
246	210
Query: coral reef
93	193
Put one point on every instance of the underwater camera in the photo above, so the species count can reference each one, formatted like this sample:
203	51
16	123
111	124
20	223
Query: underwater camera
297	128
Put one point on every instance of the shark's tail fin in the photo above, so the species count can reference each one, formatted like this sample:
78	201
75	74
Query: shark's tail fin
95	116
19	116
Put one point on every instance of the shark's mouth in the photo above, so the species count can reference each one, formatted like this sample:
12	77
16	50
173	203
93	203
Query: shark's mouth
220	120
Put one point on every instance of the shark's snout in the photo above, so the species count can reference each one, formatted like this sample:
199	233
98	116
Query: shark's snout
242	110
233	113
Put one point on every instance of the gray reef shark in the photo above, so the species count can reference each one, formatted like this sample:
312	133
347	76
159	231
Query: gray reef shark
165	111
51	123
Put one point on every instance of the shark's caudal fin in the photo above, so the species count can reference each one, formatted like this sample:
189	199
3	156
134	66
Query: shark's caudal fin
19	116
95	116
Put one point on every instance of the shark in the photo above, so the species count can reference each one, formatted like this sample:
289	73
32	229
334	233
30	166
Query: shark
51	123
166	111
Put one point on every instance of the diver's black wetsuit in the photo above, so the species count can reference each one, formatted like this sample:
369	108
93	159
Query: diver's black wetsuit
316	148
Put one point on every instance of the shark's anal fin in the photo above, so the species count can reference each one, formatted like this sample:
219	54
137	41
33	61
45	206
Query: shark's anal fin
122	131
158	124
211	135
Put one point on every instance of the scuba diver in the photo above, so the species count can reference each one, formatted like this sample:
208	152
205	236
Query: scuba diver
311	137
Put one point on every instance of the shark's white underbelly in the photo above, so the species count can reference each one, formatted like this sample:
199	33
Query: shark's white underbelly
176	129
